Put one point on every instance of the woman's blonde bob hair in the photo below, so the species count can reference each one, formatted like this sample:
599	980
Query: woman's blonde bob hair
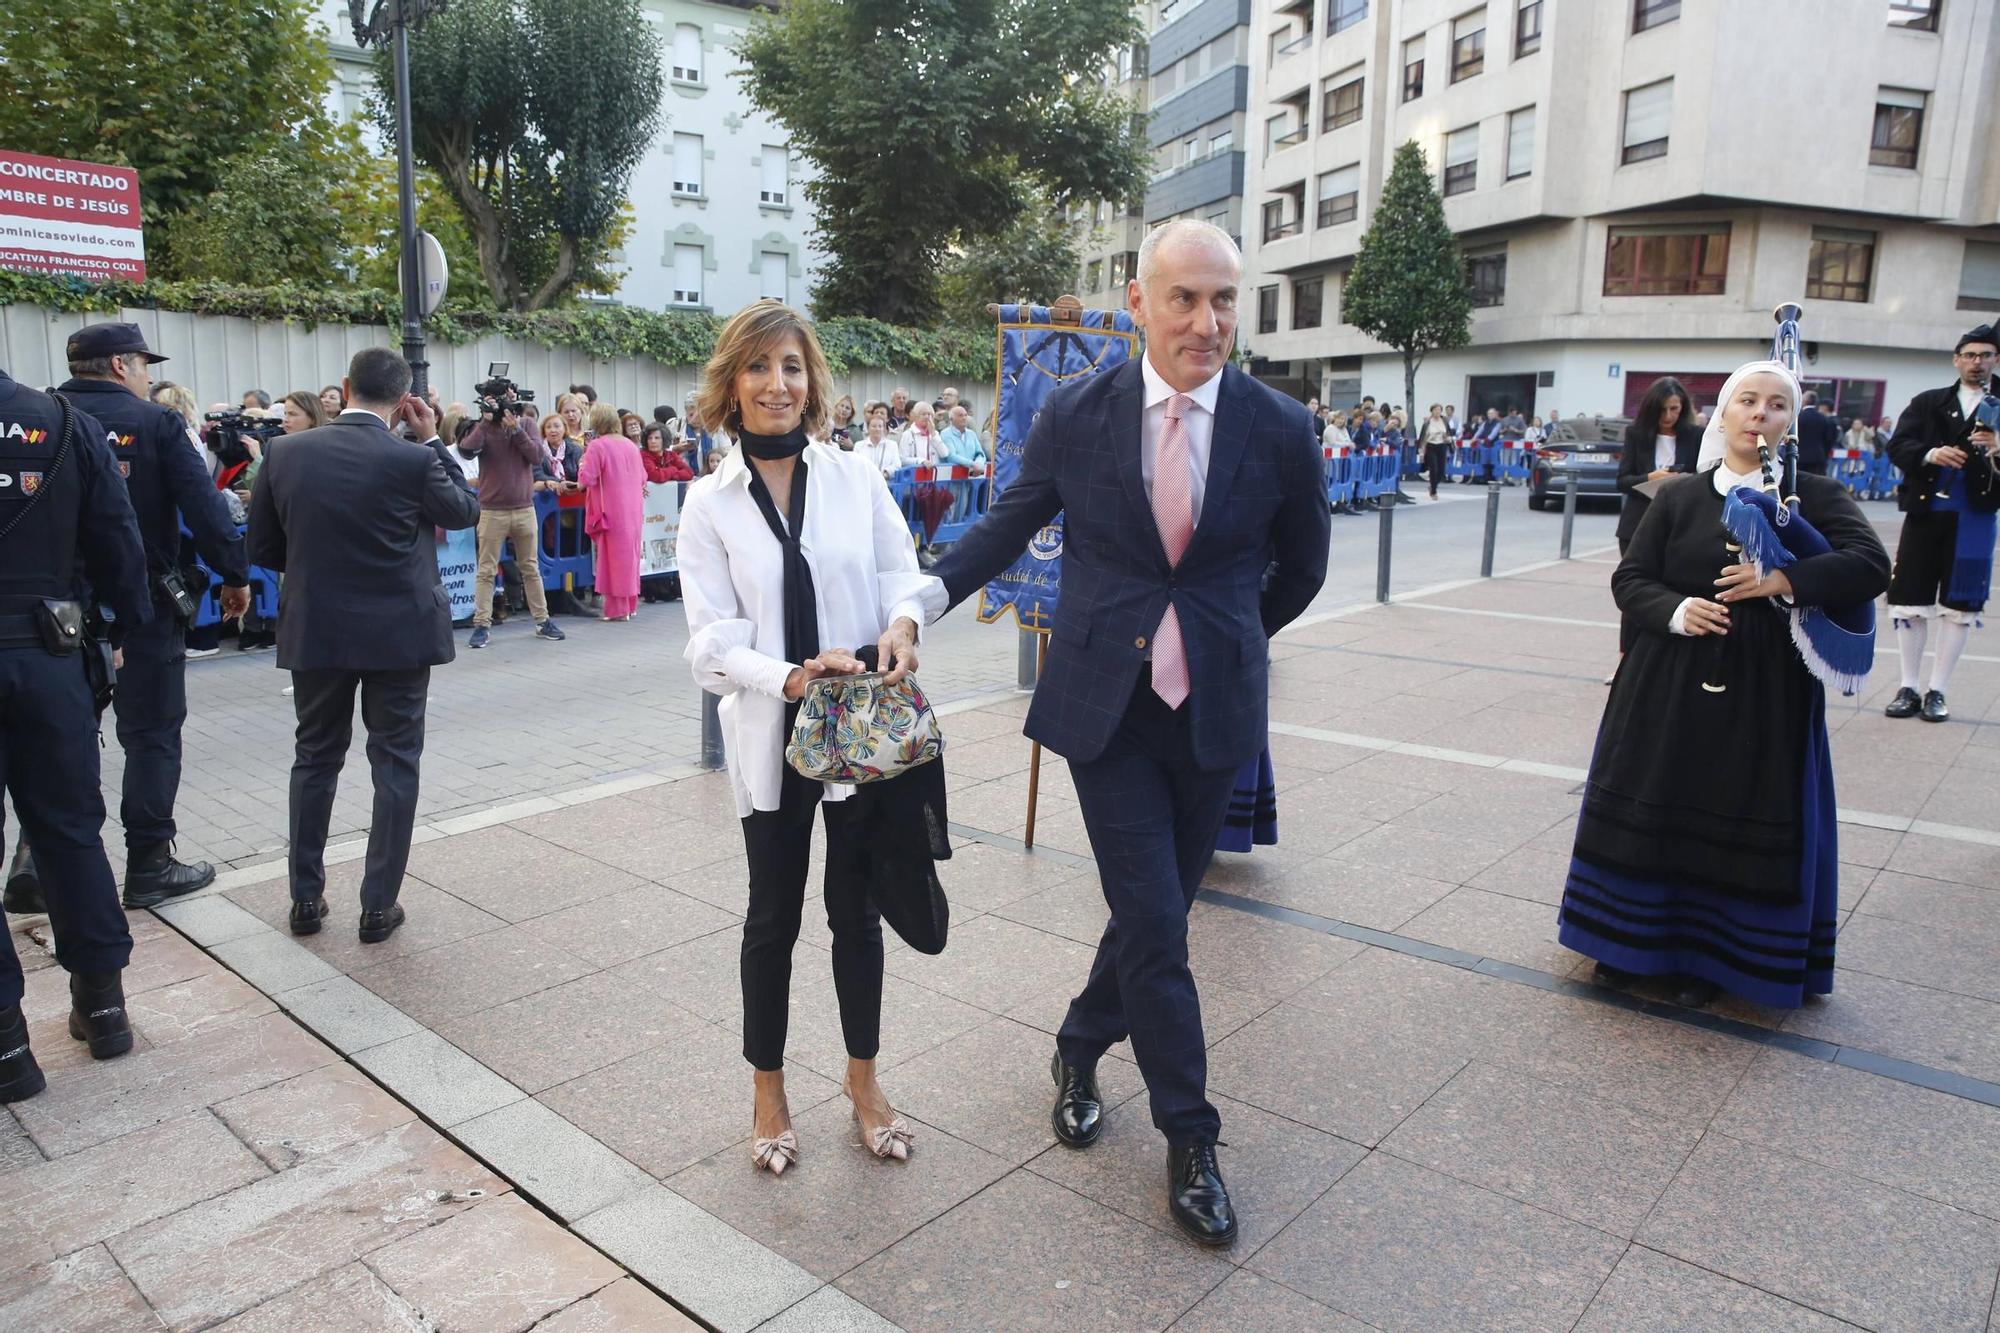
758	328
602	419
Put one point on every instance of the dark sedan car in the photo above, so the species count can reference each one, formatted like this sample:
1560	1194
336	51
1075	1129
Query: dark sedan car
1590	447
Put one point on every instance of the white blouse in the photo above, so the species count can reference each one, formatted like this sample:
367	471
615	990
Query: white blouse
886	457
732	583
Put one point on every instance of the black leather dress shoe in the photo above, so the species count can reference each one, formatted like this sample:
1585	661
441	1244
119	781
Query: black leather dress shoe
1617	978
1934	709
97	1013
1905	704
1197	1197
154	876
20	1077
1694	993
306	917
23	895
379	926
1078	1117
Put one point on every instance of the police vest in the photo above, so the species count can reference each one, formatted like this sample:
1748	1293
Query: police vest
38	558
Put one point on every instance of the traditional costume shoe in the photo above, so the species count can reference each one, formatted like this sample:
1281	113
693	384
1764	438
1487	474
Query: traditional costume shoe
1905	704
1934	709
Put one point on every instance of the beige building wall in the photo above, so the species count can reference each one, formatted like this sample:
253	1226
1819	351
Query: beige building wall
1772	109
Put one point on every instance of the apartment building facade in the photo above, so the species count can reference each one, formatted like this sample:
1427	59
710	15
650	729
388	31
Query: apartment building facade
1635	184
1191	79
719	213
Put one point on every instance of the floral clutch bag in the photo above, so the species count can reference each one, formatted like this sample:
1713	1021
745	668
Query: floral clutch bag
851	729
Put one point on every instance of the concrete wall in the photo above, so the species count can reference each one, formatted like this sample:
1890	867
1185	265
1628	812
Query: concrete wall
219	357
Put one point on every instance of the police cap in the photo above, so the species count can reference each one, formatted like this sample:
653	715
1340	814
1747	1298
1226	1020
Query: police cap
96	340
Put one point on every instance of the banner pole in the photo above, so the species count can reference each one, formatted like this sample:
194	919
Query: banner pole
1035	752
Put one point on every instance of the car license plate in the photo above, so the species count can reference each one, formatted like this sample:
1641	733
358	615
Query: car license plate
1578	459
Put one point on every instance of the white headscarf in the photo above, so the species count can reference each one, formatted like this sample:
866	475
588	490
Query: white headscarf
1713	447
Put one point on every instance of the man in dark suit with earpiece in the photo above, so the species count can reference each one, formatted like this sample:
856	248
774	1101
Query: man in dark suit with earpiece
349	512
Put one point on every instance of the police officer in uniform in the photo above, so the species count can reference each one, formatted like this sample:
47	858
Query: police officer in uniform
109	376
60	500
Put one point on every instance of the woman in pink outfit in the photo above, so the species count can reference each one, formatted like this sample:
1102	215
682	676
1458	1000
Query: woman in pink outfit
613	479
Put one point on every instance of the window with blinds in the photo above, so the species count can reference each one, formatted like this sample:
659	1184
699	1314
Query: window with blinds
687	275
1839	264
1649	111
1340	99
1461	160
1527	28
1413	69
1521	143
1468	45
1267	309
1667	260
1979	276
1899	128
776	166
687	53
687	164
771	275
1486	275
1307	297
1339	196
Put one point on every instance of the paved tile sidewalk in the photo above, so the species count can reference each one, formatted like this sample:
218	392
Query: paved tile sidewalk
1431	1122
233	1171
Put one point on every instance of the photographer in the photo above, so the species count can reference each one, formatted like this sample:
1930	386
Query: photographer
110	372
1944	446
508	459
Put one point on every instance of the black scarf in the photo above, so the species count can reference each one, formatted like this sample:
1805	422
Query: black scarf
797	795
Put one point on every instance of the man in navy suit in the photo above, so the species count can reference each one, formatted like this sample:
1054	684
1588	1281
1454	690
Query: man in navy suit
1182	482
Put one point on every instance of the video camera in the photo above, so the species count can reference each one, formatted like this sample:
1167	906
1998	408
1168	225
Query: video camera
226	428
498	394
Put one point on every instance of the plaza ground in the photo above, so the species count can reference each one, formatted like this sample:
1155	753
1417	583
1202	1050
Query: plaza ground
528	1108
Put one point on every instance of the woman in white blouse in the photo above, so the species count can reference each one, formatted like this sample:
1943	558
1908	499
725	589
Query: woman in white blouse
787	553
880	448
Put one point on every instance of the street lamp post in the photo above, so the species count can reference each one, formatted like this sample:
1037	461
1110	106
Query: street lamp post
390	23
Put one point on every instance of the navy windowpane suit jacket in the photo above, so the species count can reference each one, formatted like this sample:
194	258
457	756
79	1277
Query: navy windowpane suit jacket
1265	502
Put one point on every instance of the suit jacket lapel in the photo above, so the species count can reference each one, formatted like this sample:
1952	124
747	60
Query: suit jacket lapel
1234	411
1127	407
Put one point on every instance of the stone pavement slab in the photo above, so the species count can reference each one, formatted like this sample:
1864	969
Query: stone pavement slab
234	1170
1431	1122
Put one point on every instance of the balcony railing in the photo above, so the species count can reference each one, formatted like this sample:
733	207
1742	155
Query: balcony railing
1297	136
1279	231
1298	43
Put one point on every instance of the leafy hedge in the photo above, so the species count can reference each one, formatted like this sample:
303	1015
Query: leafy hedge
674	338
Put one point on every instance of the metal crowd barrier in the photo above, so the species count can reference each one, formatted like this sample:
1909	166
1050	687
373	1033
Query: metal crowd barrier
1868	475
1498	460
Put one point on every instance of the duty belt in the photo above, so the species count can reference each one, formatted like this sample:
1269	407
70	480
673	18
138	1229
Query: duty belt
19	632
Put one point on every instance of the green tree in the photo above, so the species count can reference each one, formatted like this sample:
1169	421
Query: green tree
934	122
1034	259
278	214
1407	287
371	231
183	91
533	114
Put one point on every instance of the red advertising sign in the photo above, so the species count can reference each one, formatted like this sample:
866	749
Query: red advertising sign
58	216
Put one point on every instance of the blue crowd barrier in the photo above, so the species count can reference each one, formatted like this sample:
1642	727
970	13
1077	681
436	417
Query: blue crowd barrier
918	488
568	559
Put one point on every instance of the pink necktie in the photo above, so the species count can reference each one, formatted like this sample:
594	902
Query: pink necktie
1173	512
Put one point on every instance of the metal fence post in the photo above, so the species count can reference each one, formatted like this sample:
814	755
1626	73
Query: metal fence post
1384	542
1024	660
1569	512
1492	529
711	730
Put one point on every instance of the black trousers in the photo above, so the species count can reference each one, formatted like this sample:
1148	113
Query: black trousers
1152	817
151	706
1435	456
48	763
779	847
392	707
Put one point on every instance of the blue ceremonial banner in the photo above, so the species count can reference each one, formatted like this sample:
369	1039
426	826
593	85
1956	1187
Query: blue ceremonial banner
1034	354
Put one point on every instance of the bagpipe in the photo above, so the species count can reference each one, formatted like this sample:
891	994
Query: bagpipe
1837	644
